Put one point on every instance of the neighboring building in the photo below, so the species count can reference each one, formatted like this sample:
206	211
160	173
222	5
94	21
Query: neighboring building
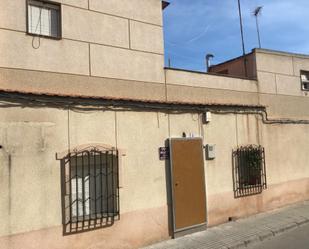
86	103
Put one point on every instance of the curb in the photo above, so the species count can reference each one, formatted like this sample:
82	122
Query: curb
267	235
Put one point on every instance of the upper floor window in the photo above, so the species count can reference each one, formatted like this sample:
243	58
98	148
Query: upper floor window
44	18
304	75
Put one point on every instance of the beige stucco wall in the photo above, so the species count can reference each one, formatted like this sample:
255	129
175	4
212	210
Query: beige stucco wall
31	137
93	27
280	85
63	56
145	11
31	177
114	39
178	77
125	60
286	165
279	73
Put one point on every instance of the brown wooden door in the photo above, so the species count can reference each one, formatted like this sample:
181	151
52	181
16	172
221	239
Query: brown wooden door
188	183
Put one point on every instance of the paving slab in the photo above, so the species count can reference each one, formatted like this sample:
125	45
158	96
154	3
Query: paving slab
243	232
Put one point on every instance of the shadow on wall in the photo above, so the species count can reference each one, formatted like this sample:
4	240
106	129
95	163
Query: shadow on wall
169	193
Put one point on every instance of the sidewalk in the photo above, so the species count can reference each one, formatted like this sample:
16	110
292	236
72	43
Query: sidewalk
240	233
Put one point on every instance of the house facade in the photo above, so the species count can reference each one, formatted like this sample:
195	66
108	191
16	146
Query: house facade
101	146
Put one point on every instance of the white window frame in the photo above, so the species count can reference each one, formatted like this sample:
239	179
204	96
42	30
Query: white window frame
304	78
47	7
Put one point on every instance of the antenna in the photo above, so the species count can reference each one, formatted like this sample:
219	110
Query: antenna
242	38
257	12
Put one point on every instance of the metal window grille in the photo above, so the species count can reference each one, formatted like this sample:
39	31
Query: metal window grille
90	190
249	172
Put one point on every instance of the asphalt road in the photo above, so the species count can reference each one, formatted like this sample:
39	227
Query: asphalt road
296	239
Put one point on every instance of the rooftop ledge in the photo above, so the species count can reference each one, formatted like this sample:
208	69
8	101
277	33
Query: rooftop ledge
211	74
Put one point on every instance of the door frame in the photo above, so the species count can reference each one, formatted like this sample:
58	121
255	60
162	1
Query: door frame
197	227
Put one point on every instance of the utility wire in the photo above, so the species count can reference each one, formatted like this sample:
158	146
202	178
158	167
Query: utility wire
86	105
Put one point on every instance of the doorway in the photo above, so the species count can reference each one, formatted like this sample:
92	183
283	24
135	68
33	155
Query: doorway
188	185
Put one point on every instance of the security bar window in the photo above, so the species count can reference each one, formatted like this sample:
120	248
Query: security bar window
90	190
304	75
249	172
44	19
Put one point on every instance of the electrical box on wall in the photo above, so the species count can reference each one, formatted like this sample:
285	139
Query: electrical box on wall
206	117
210	151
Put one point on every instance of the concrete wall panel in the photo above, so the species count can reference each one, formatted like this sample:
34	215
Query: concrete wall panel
210	81
274	63
289	85
286	160
76	3
144	179
125	64
13	14
149	11
95	27
55	83
146	37
219	170
279	106
185	123
210	96
267	82
300	64
18	51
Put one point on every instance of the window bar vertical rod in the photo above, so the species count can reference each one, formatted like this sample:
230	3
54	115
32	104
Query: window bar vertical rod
242	172
241	185
102	193
256	173
117	177
83	188
264	169
106	178
243	166
95	185
247	156
89	189
70	186
113	187
236	171
247	153
76	195
245	170
238	166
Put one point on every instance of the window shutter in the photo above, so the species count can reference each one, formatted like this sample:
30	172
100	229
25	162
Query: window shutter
54	27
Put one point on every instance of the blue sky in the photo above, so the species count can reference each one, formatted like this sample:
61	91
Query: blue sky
193	28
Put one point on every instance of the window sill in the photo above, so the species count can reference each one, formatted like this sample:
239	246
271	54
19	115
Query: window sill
44	36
